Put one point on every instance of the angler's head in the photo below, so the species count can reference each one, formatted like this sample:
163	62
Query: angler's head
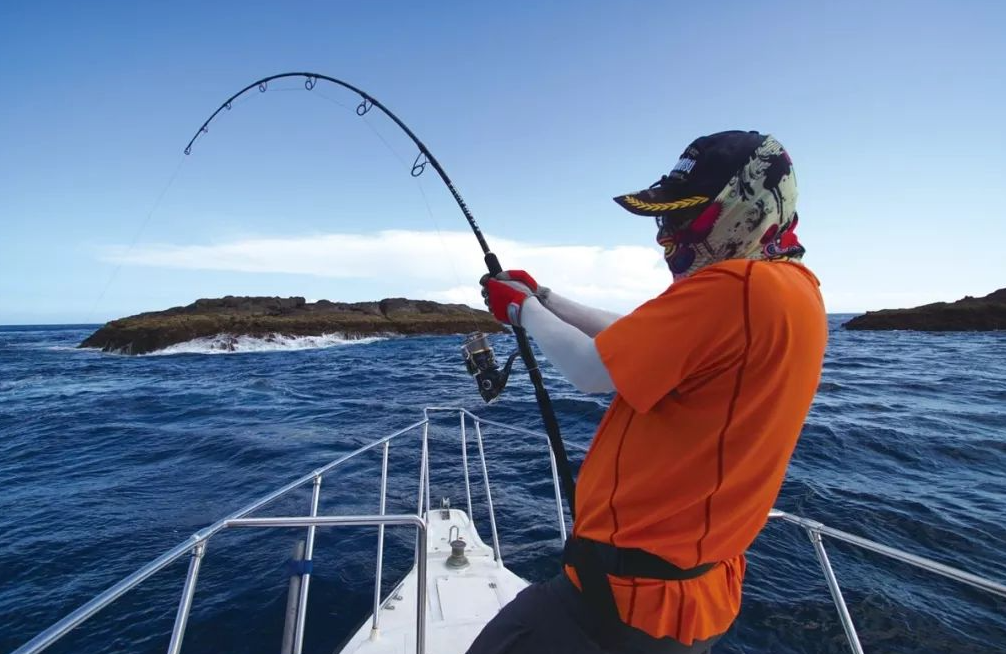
731	195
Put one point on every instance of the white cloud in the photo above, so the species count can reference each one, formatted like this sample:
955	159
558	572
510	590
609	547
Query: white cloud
443	266
457	295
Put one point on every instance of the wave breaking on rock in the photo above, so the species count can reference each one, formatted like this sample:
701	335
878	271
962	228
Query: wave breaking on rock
234	324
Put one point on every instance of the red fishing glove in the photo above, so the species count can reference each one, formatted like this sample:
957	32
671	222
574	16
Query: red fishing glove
521	276
505	298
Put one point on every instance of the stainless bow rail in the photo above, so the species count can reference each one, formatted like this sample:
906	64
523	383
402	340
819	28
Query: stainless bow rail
196	544
815	530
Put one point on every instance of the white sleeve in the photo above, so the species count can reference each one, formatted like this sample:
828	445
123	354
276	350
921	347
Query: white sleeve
570	350
588	320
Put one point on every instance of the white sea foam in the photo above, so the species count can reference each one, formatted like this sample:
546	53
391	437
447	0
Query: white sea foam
229	344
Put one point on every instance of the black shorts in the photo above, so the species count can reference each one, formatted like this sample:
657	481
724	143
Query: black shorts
552	618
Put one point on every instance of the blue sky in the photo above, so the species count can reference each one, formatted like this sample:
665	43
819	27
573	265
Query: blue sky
541	112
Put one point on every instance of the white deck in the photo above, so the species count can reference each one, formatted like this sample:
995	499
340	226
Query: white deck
459	603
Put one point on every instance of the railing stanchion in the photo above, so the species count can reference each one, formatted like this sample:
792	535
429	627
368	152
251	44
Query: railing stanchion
185	604
558	496
305	579
464	462
489	496
422	475
426	459
380	546
422	479
292	601
421	592
836	592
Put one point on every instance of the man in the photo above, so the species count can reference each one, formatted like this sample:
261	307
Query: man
713	380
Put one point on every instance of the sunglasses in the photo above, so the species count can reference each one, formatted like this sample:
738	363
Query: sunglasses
663	222
683	228
668	224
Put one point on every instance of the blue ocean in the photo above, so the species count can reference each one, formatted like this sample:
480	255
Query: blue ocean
106	461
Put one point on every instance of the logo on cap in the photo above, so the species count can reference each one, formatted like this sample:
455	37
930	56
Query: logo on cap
682	168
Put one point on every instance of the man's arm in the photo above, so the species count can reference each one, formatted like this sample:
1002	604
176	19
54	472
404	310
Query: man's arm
569	348
589	320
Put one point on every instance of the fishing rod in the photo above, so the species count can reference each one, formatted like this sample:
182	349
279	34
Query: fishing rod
479	357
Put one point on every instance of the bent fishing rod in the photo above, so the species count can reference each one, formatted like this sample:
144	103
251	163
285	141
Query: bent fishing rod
478	353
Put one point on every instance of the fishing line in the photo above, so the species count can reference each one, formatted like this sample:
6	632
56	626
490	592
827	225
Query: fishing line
429	212
136	238
146	221
443	245
422	192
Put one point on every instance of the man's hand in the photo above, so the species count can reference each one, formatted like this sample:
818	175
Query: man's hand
505	294
521	276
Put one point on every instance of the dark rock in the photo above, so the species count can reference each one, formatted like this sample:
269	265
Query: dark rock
266	317
967	315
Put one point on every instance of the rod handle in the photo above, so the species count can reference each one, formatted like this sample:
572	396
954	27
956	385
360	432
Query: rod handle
493	264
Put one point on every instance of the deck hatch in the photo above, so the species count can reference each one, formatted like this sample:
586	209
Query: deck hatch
467	598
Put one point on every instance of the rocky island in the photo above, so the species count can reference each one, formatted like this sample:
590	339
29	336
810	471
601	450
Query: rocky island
968	315
274	316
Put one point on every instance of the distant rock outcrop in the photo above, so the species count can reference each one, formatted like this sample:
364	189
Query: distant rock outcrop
971	314
293	316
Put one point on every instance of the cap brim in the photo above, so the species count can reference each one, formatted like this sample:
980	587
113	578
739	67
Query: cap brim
638	204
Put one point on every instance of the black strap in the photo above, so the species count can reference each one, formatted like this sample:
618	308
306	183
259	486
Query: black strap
594	561
630	561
